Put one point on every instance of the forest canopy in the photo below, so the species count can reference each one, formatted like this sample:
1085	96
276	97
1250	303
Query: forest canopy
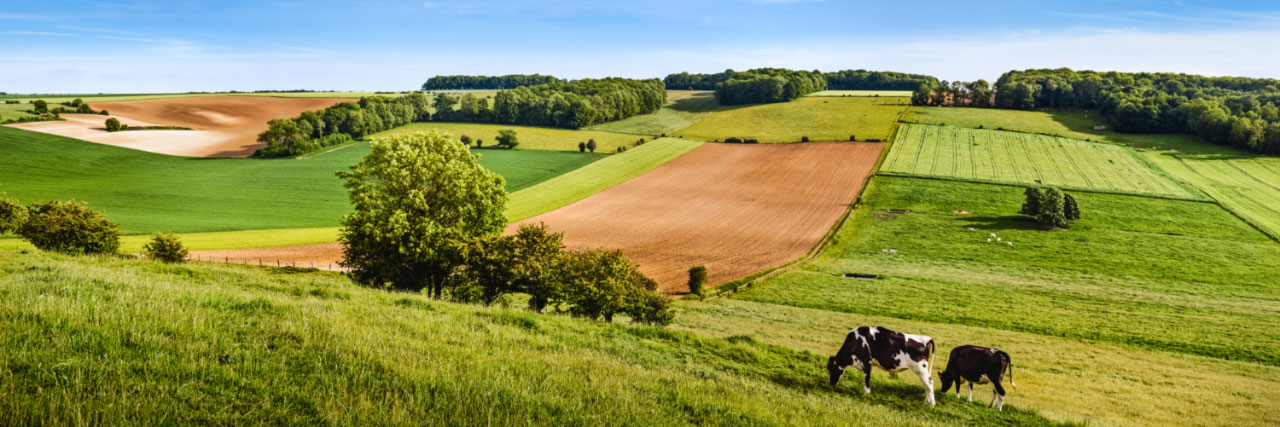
509	81
752	86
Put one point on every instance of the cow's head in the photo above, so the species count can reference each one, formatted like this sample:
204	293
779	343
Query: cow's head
947	379
835	370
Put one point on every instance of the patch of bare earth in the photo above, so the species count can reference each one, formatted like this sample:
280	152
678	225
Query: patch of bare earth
222	126
737	209
323	256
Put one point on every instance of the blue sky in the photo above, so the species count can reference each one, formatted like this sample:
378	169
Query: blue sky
158	46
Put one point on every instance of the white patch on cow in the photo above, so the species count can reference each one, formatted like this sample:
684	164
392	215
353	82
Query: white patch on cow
970	392
873	331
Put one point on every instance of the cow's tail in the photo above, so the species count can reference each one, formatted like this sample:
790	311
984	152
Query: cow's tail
1009	364
931	353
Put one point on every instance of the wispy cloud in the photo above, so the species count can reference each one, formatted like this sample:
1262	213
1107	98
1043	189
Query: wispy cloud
301	49
40	33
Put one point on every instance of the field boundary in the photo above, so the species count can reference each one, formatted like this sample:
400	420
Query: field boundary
1061	187
1274	236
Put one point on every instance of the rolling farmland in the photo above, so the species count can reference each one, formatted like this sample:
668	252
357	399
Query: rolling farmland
531	137
683	108
819	118
1023	158
871	93
146	192
1247	185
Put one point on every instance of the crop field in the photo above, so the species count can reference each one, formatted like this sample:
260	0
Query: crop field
1118	279
530	137
737	209
1023	158
1067	124
1247	185
683	109
871	93
146	192
819	118
241	345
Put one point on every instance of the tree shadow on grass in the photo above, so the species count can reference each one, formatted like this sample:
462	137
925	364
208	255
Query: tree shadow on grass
696	103
1006	222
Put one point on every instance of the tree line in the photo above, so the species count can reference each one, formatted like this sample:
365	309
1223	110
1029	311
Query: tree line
574	104
977	93
509	81
876	80
752	86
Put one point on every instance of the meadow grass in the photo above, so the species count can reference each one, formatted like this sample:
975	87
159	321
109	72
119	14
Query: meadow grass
1247	185
146	192
871	93
819	118
1024	158
530	137
1149	273
93	341
1063	379
1076	124
683	109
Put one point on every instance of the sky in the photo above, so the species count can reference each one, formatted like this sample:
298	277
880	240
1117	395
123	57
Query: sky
135	46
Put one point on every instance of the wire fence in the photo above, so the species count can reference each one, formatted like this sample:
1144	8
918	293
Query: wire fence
269	262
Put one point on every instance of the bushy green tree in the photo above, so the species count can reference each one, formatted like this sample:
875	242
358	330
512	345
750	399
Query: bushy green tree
1031	205
582	147
1051	209
39	106
113	125
165	247
12	216
602	283
507	138
1070	209
697	278
69	227
591	145
419	199
537	261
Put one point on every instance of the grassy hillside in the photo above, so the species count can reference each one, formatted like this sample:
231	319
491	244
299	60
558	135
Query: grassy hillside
146	192
683	109
1247	185
819	118
871	93
531	137
1024	158
100	341
1149	273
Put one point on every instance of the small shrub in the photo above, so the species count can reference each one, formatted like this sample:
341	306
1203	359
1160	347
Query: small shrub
479	142
12	216
804	139
582	147
697	278
750	141
165	247
466	140
507	139
113	125
1031	205
104	112
591	145
651	308
69	227
733	140
979	126
1069	207
852	138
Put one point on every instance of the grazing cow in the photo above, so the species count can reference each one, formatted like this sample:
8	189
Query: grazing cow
973	364
891	351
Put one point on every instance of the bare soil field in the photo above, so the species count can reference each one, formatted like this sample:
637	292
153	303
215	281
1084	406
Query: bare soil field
737	209
222	126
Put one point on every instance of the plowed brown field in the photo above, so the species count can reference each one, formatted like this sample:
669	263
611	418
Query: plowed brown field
222	126
737	209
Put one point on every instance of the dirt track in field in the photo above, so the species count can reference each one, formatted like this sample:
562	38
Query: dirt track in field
737	209
222	126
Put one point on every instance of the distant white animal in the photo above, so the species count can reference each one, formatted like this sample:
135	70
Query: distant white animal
971	229
988	240
997	239
992	235
1010	244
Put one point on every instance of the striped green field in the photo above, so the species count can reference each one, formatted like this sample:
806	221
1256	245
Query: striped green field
871	93
1023	158
818	118
1247	185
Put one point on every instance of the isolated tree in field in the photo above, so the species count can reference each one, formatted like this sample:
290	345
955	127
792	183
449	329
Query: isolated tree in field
1070	209
69	227
582	147
479	142
12	216
466	140
419	199
1031	204
591	145
165	247
113	125
507	138
697	278
39	106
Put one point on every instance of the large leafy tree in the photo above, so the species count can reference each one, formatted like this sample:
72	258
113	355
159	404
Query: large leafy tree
419	199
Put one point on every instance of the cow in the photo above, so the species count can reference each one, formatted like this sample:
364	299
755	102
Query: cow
891	351
973	364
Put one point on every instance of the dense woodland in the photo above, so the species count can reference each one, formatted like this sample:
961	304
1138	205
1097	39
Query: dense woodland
751	86
876	80
509	81
1237	111
574	104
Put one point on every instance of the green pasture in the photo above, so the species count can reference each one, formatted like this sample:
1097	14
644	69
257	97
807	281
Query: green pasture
1075	381
137	342
530	137
1157	274
871	93
1248	185
1024	158
146	192
819	118
683	108
1067	124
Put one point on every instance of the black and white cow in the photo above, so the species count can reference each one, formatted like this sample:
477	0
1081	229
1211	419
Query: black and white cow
891	351
978	365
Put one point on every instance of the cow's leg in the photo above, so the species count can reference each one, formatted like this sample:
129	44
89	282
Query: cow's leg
971	392
999	395
866	378
926	380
